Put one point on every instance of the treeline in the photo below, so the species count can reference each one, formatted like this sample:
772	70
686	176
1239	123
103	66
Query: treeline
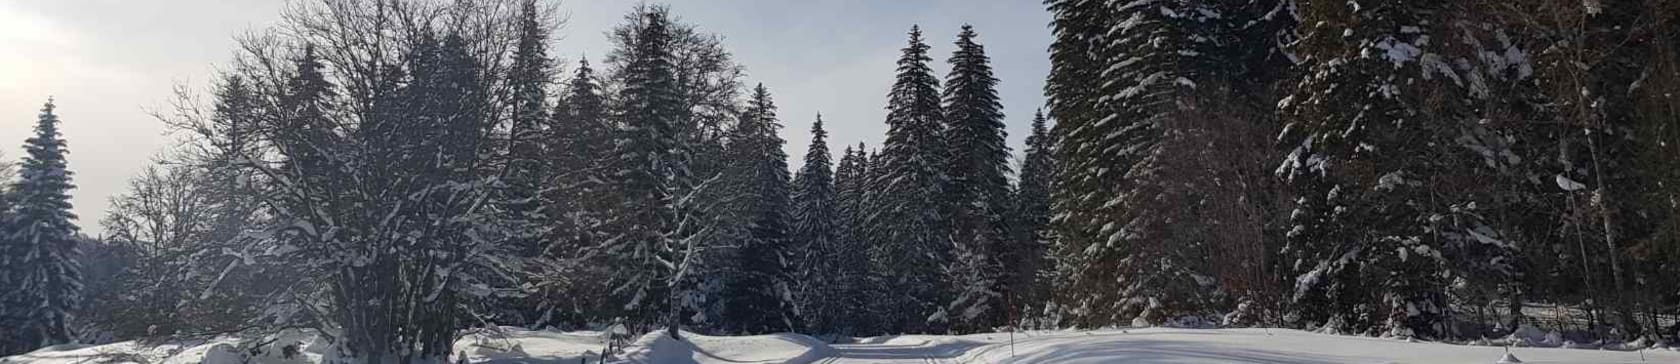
1427	169
391	172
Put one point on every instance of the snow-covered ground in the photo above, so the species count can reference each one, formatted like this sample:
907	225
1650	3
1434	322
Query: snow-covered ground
1153	345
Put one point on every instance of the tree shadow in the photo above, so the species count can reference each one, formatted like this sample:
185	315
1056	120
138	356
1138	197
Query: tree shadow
1164	352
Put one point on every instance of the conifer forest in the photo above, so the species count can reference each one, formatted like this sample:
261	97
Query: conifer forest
396	174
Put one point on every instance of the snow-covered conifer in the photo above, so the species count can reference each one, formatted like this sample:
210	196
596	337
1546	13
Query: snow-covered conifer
978	190
758	174
40	280
908	227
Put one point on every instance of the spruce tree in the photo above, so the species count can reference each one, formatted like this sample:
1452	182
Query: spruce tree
580	157
978	189
1390	150
908	226
850	180
851	255
1154	159
1031	219
304	140
526	174
40	278
759	173
651	170
237	208
829	263
579	154
846	176
1076	56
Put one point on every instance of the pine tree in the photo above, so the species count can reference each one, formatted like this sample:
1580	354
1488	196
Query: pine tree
847	175
908	226
236	213
978	190
1156	160
525	176
1387	214
827	261
850	183
40	280
305	137
759	173
1076	62
582	143
652	173
849	258
525	171
861	211
1031	219
580	157
708	93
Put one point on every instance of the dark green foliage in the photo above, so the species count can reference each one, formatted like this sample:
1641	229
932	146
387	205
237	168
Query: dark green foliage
758	176
978	189
1026	262
651	173
40	278
906	212
828	263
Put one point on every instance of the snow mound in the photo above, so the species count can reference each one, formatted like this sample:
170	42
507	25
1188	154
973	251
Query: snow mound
186	351
1508	359
1529	336
657	347
503	346
510	345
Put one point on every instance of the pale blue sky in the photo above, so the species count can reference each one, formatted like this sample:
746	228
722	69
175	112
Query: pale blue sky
110	61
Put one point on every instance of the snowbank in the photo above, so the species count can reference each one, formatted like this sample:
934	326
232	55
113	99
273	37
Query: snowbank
1162	345
511	345
174	352
1149	345
507	346
659	348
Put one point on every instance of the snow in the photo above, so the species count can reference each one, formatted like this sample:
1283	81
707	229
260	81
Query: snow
1568	184
1509	359
1167	345
515	345
508	346
1148	345
659	348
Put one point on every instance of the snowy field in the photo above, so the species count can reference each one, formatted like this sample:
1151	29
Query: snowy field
1155	345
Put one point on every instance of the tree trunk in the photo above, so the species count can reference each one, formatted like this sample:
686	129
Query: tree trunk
673	323
1618	302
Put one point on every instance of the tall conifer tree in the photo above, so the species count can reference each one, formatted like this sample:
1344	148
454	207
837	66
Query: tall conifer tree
1031	219
978	189
526	173
1380	127
828	260
758	172
908	226
40	279
652	171
1154	160
579	154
